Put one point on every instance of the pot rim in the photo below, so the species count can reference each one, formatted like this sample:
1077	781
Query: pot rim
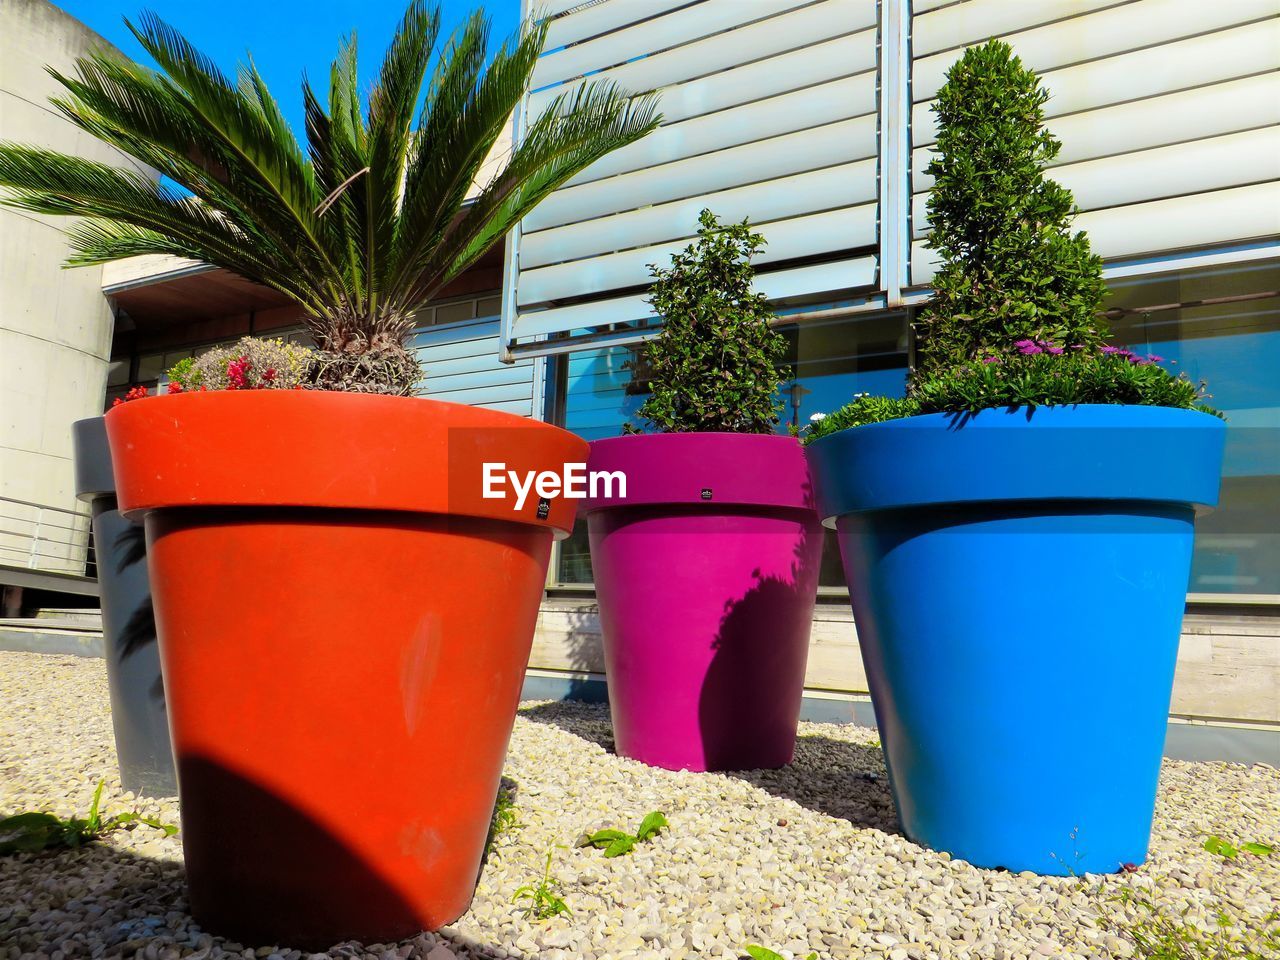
312	448
704	470
91	458
1084	452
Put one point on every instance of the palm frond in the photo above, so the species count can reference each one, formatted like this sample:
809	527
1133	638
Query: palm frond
573	132
251	144
44	181
392	103
462	118
361	225
148	117
126	110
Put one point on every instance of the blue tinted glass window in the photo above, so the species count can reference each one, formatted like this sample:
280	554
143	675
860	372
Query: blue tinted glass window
1222	326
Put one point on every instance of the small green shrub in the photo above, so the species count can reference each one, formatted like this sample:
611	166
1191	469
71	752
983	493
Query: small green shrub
250	364
544	900
29	832
615	842
717	364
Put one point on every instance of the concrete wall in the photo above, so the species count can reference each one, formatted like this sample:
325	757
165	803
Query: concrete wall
55	324
1226	693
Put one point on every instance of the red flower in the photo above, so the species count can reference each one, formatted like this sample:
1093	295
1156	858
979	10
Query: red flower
175	387
268	374
133	393
238	374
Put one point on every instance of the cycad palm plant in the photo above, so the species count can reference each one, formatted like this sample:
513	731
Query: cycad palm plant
362	227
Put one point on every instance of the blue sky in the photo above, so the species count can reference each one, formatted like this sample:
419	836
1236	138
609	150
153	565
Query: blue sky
285	37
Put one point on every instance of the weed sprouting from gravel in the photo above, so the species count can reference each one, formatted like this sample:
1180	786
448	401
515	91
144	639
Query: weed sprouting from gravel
617	842
1158	933
506	816
32	831
1229	851
757	952
544	900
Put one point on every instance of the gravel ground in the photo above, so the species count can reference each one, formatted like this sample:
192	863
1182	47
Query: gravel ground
803	859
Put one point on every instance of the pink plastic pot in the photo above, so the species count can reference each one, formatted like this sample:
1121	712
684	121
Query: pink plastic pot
706	574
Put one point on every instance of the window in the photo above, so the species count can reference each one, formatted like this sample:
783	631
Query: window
118	373
1222	325
1219	324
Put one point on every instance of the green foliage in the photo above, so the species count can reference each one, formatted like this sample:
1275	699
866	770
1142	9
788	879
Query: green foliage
864	408
360	226
717	364
544	900
250	364
29	832
1025	380
1157	932
1228	851
1046	379
506	818
616	842
757	952
1010	266
1158	935
185	374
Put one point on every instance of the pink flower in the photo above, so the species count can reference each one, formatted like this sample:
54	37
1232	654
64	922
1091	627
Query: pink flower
238	374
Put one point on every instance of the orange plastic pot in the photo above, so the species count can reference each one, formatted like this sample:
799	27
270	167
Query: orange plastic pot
344	625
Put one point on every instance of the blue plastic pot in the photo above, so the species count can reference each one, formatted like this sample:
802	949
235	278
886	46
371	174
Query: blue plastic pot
1018	580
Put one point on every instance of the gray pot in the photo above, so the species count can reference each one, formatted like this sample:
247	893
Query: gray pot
128	629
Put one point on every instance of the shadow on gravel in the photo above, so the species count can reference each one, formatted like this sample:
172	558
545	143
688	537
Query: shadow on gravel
830	776
99	900
106	899
586	721
835	777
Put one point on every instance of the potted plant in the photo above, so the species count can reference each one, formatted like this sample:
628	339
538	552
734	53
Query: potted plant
128	627
1017	531
706	570
344	618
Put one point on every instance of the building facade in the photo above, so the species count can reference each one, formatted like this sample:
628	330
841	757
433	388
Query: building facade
812	118
55	324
